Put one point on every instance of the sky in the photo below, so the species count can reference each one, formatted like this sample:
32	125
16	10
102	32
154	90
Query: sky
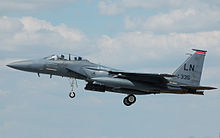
150	36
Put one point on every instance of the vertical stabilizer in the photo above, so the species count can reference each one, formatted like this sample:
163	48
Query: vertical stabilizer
189	73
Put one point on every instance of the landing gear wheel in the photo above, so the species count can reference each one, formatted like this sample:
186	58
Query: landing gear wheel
73	83
131	98
72	94
125	101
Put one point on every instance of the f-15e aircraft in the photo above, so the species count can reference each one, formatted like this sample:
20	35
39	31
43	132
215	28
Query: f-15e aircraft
185	80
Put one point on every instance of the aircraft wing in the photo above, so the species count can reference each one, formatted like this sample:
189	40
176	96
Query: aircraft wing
197	87
143	77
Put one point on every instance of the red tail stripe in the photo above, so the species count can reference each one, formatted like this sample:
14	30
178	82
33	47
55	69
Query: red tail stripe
201	52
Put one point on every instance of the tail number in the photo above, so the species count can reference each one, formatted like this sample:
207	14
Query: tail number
190	67
183	77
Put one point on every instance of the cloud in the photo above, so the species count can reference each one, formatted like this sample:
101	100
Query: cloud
29	32
13	6
110	7
181	20
166	16
140	48
124	49
3	93
10	25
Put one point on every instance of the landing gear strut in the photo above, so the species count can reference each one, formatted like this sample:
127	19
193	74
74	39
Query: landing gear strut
129	100
73	82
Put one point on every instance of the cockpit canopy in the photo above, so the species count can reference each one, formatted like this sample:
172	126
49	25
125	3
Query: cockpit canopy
64	57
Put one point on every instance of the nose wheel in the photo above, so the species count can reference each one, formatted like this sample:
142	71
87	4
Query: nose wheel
73	83
129	100
72	94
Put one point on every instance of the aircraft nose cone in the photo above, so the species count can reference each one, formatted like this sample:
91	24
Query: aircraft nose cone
20	65
10	65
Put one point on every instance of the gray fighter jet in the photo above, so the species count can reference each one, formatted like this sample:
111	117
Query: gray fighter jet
185	80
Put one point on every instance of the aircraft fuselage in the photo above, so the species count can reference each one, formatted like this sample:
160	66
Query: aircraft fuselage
185	80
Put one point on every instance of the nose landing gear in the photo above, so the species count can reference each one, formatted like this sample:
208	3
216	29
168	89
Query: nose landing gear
129	100
73	83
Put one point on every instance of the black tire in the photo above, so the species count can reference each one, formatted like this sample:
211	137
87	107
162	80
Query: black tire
131	98
126	102
72	94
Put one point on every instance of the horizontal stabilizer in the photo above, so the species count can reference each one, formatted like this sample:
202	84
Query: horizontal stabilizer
198	87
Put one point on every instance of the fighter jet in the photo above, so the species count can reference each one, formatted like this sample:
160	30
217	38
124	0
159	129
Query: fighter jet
185	80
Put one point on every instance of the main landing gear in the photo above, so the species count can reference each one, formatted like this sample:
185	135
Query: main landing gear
73	82
129	100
